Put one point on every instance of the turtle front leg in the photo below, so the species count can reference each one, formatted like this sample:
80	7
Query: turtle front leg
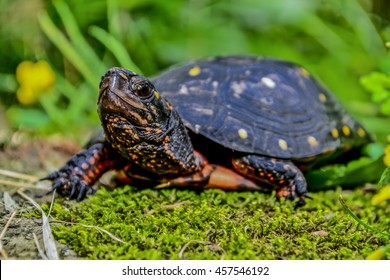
76	178
283	175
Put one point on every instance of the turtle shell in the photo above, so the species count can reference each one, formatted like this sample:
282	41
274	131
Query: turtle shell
260	106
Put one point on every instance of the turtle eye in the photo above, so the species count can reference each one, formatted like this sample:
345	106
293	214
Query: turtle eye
143	89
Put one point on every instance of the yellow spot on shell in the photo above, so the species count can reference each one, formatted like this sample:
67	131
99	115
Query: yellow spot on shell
346	130
194	71
156	94
322	97
283	144
335	133
242	133
360	131
312	141
304	72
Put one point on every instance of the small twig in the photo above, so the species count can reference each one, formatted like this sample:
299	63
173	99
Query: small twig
168	207
18	175
40	251
94	227
7	225
181	253
2	250
175	205
23	185
48	239
16	184
52	203
32	201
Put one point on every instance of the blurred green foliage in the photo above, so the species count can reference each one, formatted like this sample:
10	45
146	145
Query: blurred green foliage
378	84
339	41
342	42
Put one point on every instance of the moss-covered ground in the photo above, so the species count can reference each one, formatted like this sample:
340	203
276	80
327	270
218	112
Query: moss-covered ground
213	224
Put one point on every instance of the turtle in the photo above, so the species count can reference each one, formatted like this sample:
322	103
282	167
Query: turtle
234	122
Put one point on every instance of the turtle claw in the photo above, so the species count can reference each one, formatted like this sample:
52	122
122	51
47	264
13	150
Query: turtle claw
73	189
301	202
76	178
83	191
56	183
291	192
307	196
68	183
50	177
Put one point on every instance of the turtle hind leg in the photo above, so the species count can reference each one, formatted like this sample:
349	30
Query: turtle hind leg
212	176
283	175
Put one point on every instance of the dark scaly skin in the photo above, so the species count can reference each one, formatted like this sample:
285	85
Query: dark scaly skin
274	172
146	137
76	178
142	126
141	130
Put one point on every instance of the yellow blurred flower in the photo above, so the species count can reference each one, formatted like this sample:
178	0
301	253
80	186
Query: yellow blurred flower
377	254
34	79
386	157
382	195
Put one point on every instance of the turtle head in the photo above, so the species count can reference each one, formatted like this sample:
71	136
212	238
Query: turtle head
141	125
130	109
128	98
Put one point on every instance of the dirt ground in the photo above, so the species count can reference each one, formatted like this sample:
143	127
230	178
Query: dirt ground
35	157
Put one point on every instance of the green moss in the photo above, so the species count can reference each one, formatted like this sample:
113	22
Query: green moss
157	224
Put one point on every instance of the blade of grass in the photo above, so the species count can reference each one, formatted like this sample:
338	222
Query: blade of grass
48	102
385	178
325	36
79	103
349	211
48	239
116	48
363	26
78	40
115	28
40	251
66	48
113	17
9	204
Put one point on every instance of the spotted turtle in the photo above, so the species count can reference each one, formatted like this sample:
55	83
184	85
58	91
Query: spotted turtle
229	122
